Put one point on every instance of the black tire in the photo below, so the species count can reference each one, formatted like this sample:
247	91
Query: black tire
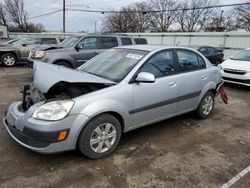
64	64
8	60
200	112
84	139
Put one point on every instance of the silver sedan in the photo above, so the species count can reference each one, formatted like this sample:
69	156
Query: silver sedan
117	91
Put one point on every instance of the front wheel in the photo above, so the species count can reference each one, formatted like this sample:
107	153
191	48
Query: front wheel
100	136
9	59
206	106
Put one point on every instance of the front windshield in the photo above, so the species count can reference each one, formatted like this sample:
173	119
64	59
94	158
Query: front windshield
242	56
18	42
67	43
114	64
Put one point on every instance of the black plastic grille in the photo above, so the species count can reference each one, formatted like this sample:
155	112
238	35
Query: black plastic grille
234	71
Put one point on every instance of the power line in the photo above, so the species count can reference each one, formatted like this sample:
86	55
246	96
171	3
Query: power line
156	11
153	11
45	14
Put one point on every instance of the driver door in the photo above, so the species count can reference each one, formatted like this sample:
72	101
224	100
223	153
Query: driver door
156	101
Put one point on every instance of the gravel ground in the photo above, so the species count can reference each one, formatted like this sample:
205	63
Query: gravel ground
179	152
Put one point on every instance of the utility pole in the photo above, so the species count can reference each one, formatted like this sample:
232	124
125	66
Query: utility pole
95	26
64	16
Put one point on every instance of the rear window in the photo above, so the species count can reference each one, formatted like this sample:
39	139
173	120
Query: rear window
126	41
49	41
108	42
141	41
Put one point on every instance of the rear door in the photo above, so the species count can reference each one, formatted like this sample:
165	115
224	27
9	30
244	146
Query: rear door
192	78
155	101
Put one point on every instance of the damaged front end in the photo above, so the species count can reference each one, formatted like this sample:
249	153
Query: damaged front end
59	91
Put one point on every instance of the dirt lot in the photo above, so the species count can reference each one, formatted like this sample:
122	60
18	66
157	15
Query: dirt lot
181	152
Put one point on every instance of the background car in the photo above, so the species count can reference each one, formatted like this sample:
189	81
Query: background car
237	69
214	55
115	92
18	51
78	49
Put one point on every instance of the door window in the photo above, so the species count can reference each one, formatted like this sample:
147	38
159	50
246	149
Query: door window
88	43
160	65
108	42
189	61
126	41
32	41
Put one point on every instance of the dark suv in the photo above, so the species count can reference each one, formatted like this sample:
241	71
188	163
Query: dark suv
76	50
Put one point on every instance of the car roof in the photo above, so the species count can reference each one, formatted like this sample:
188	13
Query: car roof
145	47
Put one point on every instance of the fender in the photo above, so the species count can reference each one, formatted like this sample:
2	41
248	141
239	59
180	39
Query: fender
107	105
209	86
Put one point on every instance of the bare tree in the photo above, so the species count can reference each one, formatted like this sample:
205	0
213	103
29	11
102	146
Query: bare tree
3	18
129	19
162	18
221	24
243	16
17	14
196	18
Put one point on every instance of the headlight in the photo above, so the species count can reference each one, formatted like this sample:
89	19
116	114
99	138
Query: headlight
55	110
39	54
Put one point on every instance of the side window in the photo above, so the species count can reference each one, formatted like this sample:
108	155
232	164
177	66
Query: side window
211	51
141	41
33	41
160	65
126	41
188	61
88	43
49	41
108	42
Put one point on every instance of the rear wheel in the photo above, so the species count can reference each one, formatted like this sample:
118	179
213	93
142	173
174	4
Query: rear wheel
206	106
9	60
100	136
63	63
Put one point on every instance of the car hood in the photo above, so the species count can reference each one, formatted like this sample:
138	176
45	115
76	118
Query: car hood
46	75
236	64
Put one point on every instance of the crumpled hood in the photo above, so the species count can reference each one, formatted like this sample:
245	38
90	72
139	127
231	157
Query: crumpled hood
236	64
46	75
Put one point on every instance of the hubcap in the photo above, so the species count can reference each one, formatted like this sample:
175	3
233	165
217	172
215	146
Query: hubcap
207	105
103	138
9	60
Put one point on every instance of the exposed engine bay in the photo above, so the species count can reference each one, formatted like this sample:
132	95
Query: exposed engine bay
61	90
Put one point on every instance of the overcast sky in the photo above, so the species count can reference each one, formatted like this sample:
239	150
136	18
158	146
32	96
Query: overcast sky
78	21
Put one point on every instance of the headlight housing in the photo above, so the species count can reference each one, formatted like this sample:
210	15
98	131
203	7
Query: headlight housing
39	54
55	110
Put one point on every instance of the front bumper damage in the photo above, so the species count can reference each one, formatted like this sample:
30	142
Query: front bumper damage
42	136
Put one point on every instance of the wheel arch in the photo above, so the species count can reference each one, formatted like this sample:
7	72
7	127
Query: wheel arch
63	60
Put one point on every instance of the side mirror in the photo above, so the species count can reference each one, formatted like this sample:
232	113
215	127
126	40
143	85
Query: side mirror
145	77
77	47
24	44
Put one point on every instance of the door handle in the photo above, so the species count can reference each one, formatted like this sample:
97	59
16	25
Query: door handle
172	84
204	77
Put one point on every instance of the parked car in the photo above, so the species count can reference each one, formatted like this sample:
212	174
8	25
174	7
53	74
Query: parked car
117	91
214	55
18	51
76	50
237	69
